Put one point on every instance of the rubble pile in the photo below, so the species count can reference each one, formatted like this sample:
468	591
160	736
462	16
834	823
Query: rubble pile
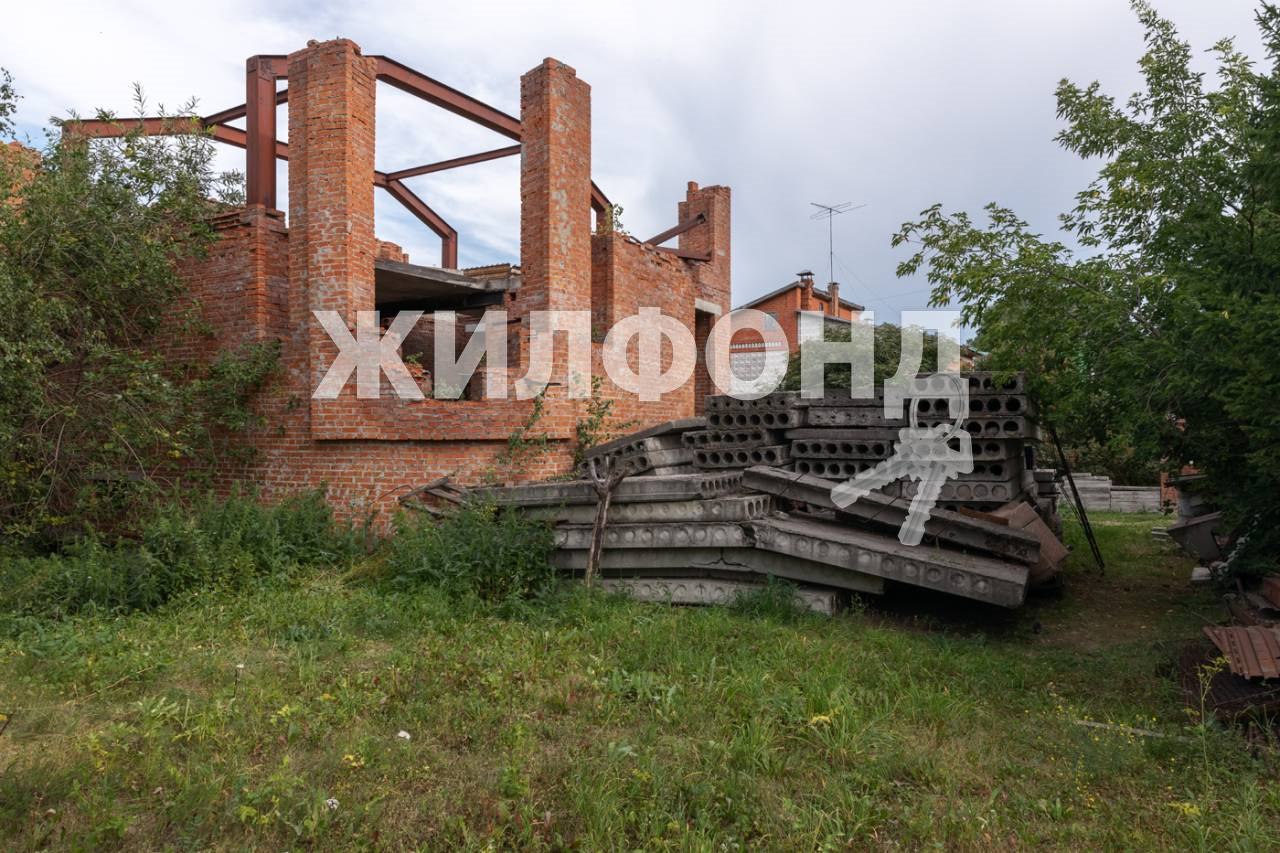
708	504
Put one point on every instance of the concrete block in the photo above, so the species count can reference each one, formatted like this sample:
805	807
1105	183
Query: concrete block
767	419
966	575
838	434
709	591
849	416
742	457
998	405
710	439
988	382
647	459
961	491
989	449
834	469
831	448
776	401
998	470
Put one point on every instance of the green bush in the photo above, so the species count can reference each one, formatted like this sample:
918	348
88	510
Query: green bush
477	551
218	543
773	599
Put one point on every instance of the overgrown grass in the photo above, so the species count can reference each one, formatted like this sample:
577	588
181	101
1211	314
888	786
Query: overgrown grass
475	551
227	544
272	720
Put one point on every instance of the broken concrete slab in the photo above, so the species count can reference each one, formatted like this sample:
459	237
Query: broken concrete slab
732	562
1196	536
732	508
679	487
676	426
710	591
970	576
1022	516
648	459
887	514
687	534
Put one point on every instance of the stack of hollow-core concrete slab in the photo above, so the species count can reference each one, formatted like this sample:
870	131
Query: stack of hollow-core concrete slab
839	436
712	503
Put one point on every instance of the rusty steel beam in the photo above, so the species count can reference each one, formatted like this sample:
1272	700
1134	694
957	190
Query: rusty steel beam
260	132
482	157
233	113
262	148
446	232
238	138
99	128
686	254
420	85
675	231
155	126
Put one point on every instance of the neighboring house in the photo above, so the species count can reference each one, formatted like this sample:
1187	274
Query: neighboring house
785	305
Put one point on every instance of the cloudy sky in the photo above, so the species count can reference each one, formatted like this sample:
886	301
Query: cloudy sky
890	105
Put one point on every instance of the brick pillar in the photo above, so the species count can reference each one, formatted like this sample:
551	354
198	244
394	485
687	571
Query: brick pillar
555	189
712	279
714	282
331	164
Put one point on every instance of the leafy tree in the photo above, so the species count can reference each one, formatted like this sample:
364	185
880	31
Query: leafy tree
1152	325
886	352
93	419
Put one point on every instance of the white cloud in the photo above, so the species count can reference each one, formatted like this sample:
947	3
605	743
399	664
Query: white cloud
896	105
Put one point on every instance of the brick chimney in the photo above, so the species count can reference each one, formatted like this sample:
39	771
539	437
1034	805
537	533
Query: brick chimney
834	290
806	290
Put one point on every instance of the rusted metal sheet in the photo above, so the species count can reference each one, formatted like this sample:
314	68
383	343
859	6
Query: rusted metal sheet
1271	589
1252	652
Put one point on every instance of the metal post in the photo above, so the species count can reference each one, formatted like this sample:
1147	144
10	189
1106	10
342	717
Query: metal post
260	126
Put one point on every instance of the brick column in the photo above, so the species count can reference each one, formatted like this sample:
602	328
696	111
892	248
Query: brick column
714	281
331	163
555	189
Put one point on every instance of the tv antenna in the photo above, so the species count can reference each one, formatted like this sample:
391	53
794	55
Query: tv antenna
829	212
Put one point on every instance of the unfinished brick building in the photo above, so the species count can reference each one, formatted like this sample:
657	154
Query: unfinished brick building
267	274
